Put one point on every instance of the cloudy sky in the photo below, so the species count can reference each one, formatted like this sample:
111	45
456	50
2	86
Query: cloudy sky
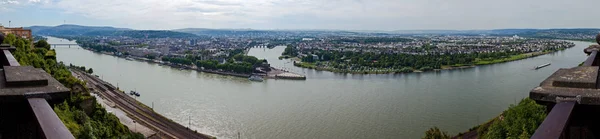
306	14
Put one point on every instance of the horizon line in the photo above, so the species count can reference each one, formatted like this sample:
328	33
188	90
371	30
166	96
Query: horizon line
358	30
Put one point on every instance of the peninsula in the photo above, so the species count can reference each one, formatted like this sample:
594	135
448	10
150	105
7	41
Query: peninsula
415	54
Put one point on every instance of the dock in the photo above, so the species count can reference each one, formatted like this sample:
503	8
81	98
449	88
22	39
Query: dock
283	74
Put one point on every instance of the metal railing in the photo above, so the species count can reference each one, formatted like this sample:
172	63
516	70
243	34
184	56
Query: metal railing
49	123
572	114
555	123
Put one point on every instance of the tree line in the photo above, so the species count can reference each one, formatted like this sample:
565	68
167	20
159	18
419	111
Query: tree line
346	59
518	121
290	51
82	68
239	63
97	47
177	60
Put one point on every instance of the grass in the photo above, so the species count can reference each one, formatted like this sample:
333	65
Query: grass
507	59
314	66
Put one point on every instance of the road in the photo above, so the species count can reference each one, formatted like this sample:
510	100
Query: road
141	113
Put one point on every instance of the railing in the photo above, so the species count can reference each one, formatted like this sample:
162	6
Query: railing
49	123
572	97
554	125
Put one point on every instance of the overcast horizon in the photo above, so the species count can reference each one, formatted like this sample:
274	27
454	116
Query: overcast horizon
353	15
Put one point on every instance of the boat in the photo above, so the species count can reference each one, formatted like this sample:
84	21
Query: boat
541	66
255	78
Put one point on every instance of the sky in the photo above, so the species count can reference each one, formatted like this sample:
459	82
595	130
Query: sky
384	15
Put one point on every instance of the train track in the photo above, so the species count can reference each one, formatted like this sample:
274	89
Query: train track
143	114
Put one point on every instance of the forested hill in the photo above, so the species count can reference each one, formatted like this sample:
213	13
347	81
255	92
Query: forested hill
269	33
76	30
71	30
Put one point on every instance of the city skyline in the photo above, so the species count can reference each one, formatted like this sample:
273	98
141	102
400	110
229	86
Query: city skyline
320	15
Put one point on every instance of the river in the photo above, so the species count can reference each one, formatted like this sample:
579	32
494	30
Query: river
326	105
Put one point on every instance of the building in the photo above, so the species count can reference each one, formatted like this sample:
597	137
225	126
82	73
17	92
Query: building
307	39
315	57
20	31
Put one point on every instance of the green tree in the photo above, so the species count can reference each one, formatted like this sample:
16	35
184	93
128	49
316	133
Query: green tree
250	59
90	71
42	44
10	39
519	121
435	133
291	51
238	57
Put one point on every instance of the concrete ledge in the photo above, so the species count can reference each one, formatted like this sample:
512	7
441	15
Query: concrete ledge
556	94
578	83
593	47
54	90
23	76
578	77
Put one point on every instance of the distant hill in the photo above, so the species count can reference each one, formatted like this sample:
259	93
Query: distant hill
263	33
220	32
77	30
70	30
466	32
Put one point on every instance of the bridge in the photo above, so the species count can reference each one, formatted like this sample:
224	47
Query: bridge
25	97
54	45
572	98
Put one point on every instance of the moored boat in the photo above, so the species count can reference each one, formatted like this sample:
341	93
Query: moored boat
255	78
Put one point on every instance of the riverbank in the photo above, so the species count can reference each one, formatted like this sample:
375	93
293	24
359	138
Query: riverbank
315	67
477	62
509	122
179	66
513	58
162	126
281	74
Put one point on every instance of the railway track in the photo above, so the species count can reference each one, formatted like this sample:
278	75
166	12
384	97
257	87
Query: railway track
143	114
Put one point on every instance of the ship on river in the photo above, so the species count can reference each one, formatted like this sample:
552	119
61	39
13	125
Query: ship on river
541	66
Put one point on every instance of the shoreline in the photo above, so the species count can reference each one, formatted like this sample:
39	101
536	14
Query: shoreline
188	67
444	67
142	114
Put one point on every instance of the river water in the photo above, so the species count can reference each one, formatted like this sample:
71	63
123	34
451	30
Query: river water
326	105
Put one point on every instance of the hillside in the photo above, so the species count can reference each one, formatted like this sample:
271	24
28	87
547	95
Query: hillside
77	30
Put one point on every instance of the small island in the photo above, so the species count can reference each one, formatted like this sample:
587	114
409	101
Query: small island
365	56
